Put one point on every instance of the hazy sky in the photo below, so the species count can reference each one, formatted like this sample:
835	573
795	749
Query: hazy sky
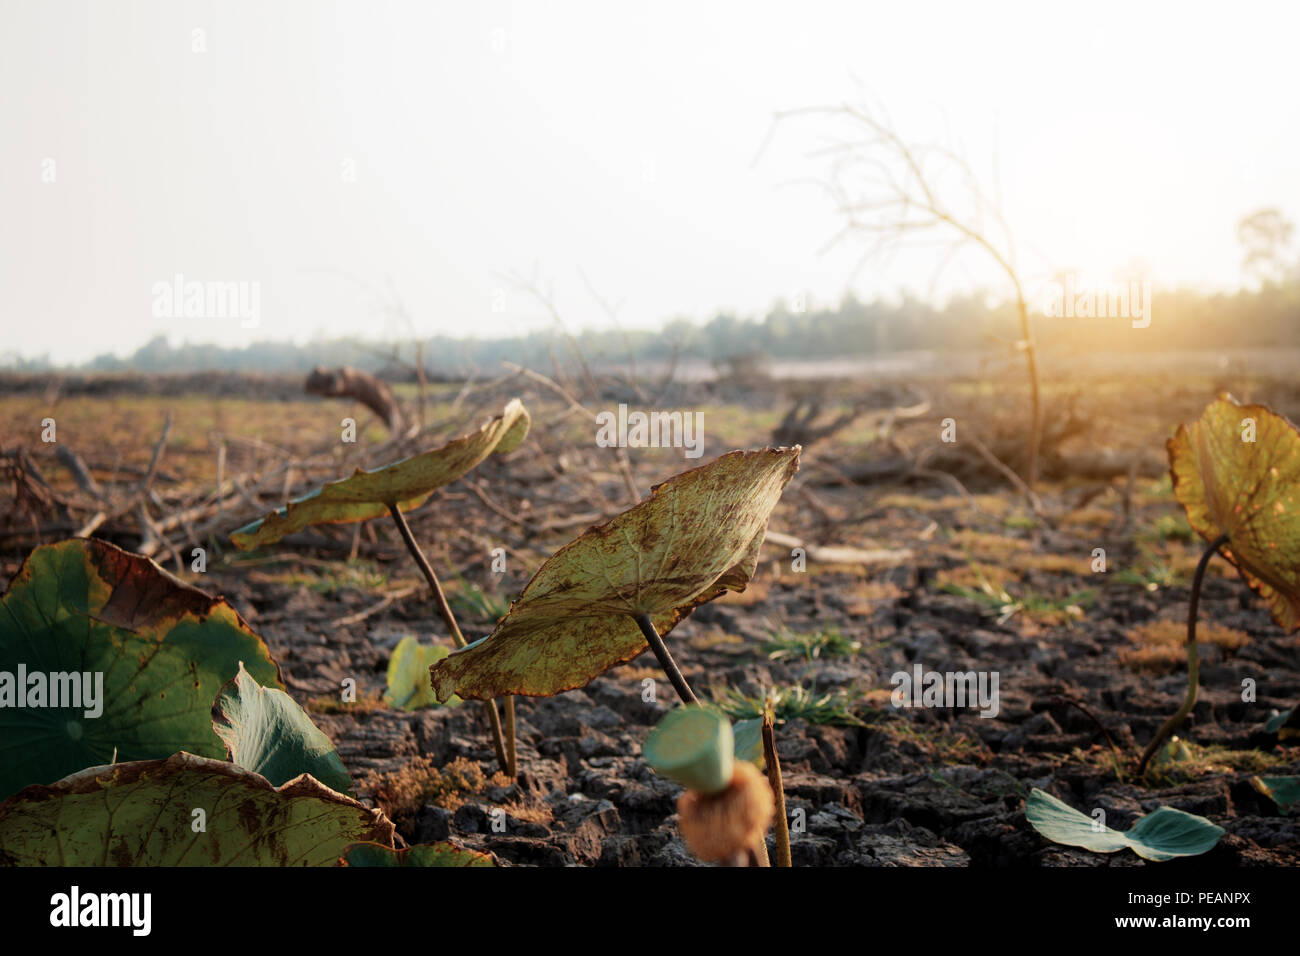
314	148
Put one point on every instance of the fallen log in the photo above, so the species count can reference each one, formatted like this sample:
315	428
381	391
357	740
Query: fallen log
347	382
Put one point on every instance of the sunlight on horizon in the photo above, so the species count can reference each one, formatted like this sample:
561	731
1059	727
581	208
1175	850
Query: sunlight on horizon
353	157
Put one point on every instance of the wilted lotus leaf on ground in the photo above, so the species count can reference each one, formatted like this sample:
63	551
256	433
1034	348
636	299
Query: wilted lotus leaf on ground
408	674
265	731
1286	724
89	625
1162	835
422	854
698	535
1248	490
407	483
1284	791
145	813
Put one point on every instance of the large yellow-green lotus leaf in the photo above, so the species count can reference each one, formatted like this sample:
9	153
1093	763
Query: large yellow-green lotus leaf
698	535
100	617
407	483
1248	490
183	811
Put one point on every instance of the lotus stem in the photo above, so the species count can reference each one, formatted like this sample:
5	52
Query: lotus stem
666	660
512	766
439	597
457	638
782	823
1193	658
498	739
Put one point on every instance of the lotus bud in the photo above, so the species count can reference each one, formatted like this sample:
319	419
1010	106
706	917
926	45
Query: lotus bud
727	805
719	827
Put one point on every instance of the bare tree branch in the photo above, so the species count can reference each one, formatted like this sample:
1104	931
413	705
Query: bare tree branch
889	191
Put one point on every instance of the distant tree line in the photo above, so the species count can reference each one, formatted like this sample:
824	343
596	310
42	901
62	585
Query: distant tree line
1268	316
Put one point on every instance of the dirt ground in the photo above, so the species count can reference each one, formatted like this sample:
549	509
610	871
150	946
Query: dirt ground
1089	663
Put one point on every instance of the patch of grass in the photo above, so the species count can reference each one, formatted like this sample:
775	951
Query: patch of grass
863	597
997	601
530	811
905	502
1048	607
1152	659
343	576
1152	573
1155	491
1098	758
1020	522
402	792
1093	517
1191	761
1159	647
970	575
1052	563
937	745
1170	527
992	504
998	784
639	674
876	590
331	578
711	639
826	642
981	544
790	702
472	601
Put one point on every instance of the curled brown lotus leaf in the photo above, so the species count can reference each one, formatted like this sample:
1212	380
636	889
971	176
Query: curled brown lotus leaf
405	484
695	537
1236	471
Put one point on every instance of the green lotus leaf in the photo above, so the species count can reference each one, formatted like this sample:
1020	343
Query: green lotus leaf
698	535
1284	791
1162	835
1168	833
265	731
409	687
422	854
1248	490
158	650
182	811
694	746
407	483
